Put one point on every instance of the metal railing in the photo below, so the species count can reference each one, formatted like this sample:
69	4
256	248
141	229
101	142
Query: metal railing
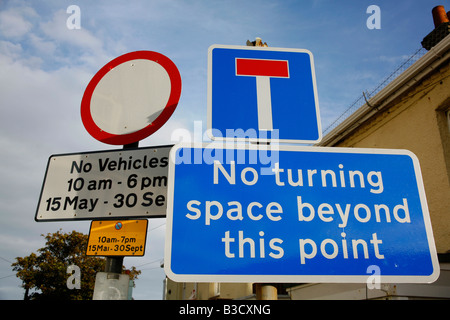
366	95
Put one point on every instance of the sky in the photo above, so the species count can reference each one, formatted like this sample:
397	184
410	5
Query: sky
45	68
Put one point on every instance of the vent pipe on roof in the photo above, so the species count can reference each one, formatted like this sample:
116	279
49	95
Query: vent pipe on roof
439	16
441	27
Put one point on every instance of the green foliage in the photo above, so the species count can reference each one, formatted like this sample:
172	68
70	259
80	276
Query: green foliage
45	273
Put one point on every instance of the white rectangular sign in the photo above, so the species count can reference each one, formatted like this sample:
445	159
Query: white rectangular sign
107	184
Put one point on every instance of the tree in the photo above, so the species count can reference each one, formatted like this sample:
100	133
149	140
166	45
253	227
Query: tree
46	272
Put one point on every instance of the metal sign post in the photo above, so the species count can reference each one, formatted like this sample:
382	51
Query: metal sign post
114	264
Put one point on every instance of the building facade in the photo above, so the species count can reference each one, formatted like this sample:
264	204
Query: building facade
412	112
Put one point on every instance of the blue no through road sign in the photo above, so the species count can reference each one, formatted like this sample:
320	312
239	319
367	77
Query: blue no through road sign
262	94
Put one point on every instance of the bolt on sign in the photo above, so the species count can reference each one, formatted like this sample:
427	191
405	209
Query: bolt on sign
117	238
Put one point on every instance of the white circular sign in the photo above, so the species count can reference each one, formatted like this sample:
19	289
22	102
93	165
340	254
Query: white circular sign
131	97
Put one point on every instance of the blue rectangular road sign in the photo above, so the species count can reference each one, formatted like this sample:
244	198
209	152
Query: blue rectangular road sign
322	215
259	93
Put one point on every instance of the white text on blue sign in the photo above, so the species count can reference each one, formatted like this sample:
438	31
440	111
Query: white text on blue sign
321	213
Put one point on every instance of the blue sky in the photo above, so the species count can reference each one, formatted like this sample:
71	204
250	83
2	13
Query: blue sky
45	67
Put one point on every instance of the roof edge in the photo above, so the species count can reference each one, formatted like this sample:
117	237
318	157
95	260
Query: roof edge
426	64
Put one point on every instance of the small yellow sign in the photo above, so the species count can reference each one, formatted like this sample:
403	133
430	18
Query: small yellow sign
117	238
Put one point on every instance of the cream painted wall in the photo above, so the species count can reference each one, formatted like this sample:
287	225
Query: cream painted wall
416	122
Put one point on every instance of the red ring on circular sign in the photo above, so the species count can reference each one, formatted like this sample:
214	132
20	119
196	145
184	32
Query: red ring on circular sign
174	97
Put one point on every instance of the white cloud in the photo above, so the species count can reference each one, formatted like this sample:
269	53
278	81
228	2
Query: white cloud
14	22
56	29
9	50
42	46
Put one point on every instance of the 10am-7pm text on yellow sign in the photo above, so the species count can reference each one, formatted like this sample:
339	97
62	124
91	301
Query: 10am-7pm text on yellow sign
117	238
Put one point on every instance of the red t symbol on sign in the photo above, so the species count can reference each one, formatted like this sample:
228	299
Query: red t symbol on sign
263	70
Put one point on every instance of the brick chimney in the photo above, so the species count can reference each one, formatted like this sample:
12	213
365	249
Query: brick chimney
441	27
